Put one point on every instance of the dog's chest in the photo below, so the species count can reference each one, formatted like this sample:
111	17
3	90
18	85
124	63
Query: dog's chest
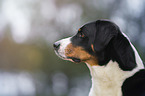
107	80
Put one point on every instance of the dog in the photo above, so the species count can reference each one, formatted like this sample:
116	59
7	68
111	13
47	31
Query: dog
115	65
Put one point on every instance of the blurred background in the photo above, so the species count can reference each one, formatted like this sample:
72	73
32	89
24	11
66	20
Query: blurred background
28	29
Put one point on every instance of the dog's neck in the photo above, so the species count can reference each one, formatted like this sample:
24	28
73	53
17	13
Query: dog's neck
107	80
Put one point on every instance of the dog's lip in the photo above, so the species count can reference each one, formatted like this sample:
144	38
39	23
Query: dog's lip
73	59
59	55
76	60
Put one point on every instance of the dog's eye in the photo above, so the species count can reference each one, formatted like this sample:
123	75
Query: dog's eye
81	35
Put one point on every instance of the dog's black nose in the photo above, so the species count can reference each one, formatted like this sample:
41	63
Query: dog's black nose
56	45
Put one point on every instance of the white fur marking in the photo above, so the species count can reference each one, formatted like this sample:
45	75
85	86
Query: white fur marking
63	45
107	80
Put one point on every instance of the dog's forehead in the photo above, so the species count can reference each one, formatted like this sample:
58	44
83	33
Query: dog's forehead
88	28
89	25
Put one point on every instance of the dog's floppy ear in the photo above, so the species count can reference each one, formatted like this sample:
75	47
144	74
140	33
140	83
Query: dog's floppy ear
105	31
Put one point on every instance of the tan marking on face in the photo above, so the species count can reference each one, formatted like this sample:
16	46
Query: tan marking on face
92	46
79	29
93	61
79	52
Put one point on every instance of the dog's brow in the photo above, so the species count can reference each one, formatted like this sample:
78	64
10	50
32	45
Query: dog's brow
80	29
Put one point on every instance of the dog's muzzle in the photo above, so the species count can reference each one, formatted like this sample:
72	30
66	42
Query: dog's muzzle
60	47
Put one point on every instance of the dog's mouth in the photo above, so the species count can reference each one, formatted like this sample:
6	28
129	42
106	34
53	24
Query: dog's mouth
76	60
59	55
73	59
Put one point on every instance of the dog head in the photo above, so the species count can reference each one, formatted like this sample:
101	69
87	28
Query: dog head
89	42
97	43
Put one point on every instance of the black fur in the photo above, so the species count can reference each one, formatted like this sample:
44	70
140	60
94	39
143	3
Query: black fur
135	85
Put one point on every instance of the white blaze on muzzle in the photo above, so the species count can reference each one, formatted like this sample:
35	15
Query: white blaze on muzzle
62	46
